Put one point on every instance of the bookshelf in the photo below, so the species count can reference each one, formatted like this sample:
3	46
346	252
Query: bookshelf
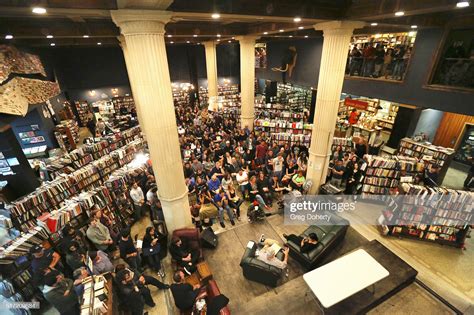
83	109
432	214
98	296
67	134
345	143
123	104
435	155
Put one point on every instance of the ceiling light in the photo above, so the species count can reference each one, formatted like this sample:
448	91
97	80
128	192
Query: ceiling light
233	37
414	26
171	42
187	42
8	36
281	31
229	41
195	35
218	40
300	27
399	13
52	44
290	36
99	43
265	33
218	35
215	15
462	4
374	24
38	10
297	19
306	36
85	36
169	35
49	36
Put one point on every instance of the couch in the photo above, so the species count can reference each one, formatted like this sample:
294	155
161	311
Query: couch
258	271
329	237
212	292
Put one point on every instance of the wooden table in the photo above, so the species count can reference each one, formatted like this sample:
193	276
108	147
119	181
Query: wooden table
204	271
193	279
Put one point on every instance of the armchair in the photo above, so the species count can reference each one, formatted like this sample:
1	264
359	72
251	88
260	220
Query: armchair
256	270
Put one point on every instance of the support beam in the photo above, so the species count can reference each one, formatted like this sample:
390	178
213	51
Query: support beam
337	36
146	53
211	67
247	80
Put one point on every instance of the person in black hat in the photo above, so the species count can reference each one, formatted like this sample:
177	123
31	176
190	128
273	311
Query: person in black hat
42	259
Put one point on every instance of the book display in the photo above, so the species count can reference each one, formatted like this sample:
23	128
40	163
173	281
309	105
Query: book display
345	143
105	108
426	152
297	98
83	109
433	214
97	297
181	94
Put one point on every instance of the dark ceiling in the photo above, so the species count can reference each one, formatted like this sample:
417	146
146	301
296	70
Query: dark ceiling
69	20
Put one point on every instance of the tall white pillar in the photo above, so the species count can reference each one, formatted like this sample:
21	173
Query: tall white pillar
337	35
211	67
144	37
123	44
247	80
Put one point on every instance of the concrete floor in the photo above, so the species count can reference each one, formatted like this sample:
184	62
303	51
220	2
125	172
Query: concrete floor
455	175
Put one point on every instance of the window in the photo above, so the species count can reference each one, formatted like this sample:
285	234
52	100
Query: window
380	56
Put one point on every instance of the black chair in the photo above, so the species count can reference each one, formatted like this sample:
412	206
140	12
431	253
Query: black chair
258	271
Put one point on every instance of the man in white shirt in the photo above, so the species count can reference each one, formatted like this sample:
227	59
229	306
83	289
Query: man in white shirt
136	193
243	180
375	142
278	166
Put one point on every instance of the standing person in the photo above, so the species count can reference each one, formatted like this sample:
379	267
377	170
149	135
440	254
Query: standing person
99	234
353	179
184	294
379	59
136	193
74	255
261	152
369	56
59	292
361	147
375	143
278	163
43	258
156	211
100	127
356	61
129	252
353	117
151	249
387	62
337	173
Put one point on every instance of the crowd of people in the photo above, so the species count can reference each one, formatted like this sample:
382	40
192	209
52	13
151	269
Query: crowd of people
225	165
376	60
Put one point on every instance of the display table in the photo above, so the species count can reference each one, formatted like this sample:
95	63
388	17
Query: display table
344	277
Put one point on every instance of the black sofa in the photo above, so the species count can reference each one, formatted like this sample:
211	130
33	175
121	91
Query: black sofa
329	237
256	270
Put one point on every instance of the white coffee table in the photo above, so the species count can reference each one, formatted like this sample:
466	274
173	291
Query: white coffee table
344	277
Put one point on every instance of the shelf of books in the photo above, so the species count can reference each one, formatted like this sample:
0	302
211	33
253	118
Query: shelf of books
123	104
97	298
345	143
106	165
83	109
435	155
433	214
297	98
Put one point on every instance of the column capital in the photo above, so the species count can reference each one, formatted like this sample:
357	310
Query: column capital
338	27
247	39
140	22
122	41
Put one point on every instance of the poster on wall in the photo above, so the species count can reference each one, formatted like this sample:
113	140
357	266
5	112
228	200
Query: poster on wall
260	55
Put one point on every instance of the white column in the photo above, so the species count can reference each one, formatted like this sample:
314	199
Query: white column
211	67
144	37
337	35
247	80
123	44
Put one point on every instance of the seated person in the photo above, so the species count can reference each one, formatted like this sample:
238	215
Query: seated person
254	195
264	188
59	292
234	200
150	241
214	184
297	181
101	262
184	294
79	275
221	199
268	255
129	291
307	244
129	252
207	209
289	172
183	255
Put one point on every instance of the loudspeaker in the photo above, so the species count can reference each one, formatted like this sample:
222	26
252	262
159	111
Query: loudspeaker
208	238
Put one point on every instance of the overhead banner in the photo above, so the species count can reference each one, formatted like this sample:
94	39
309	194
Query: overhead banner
356	103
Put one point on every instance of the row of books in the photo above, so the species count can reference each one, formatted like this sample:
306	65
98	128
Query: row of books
382	182
22	245
95	295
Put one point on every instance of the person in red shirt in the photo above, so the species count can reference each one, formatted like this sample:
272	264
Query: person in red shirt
261	152
353	117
